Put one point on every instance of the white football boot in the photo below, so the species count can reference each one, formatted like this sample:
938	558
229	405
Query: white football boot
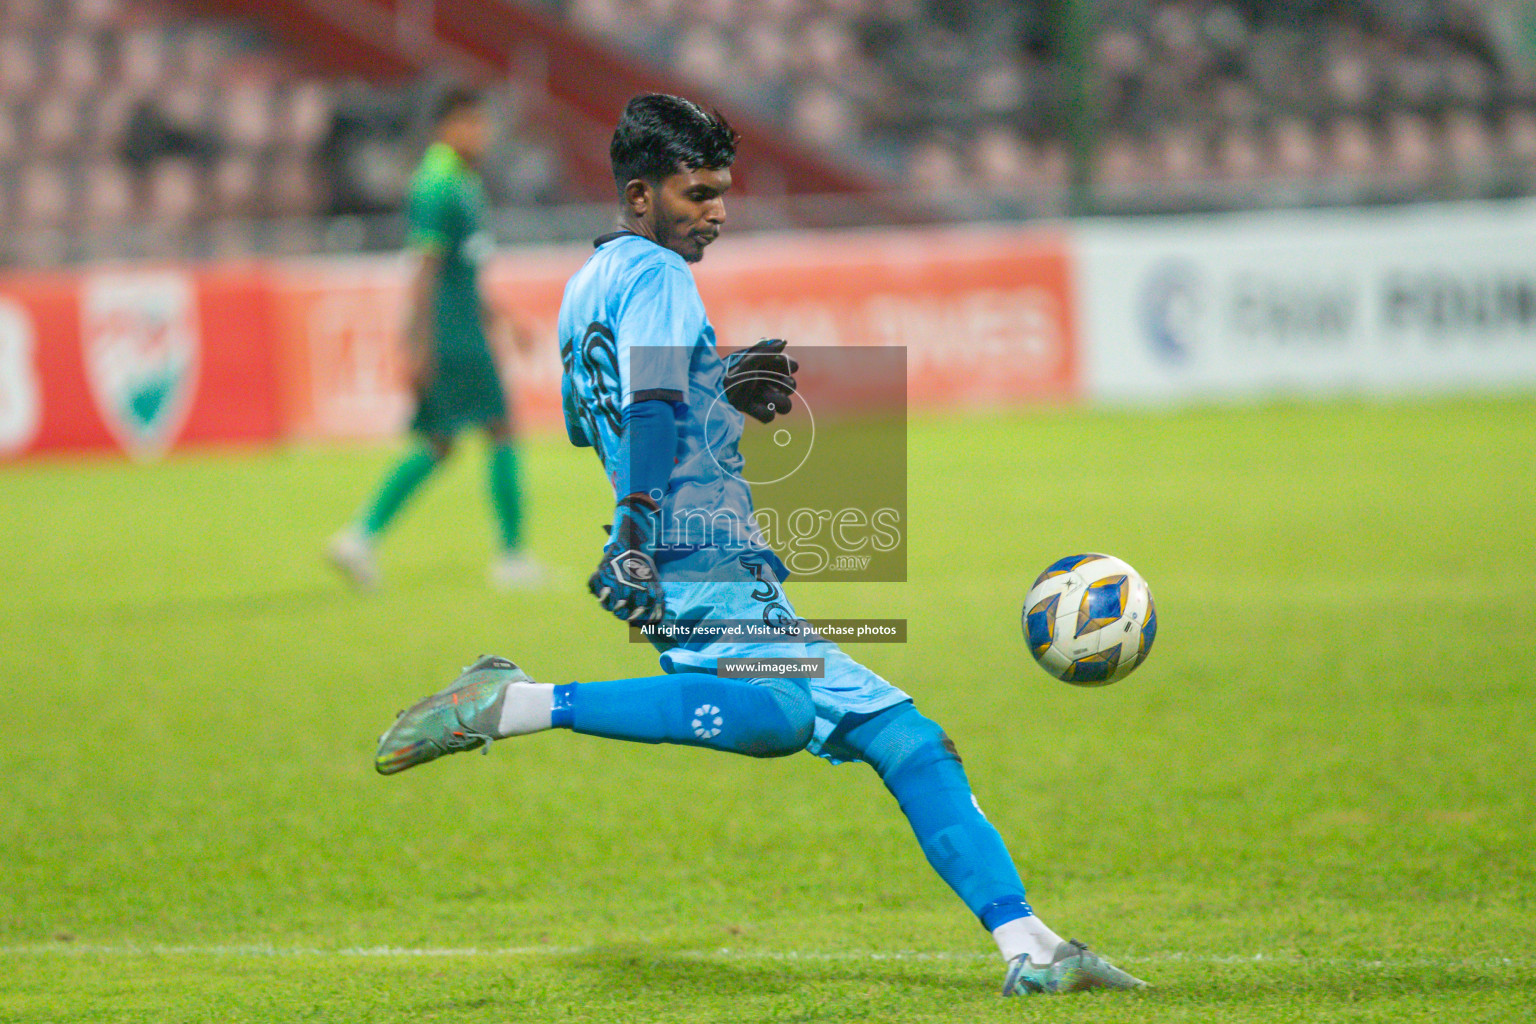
351	554
516	570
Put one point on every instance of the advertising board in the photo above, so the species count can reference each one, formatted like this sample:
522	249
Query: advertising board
1304	302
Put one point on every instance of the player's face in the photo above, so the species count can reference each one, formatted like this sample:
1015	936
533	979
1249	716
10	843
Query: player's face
469	133
688	210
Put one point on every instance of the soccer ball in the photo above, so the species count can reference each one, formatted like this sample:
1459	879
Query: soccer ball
1089	619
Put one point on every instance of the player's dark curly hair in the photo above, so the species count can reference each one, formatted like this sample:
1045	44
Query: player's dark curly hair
453	99
658	133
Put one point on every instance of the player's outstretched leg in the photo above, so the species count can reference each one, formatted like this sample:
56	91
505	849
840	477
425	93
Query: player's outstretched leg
495	699
921	768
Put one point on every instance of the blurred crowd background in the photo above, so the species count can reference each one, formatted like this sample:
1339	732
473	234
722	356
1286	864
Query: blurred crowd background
153	128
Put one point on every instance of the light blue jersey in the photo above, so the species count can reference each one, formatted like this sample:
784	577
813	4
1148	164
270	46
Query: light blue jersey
633	328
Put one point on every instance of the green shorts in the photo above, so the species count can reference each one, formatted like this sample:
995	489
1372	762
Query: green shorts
466	392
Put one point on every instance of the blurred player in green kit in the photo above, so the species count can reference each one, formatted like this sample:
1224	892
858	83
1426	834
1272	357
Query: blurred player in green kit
451	368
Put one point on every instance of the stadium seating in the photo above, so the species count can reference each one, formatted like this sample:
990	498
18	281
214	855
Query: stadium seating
142	128
1196	97
148	128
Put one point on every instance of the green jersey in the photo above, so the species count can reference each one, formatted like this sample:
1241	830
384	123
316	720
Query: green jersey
447	217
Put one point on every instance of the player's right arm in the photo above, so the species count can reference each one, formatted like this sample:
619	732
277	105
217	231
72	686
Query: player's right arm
627	581
421	317
431	230
659	321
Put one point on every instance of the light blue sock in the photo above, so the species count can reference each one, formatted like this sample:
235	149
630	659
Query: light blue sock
920	767
766	718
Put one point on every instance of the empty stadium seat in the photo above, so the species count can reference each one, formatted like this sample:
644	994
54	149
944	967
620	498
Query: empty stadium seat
107	196
43	194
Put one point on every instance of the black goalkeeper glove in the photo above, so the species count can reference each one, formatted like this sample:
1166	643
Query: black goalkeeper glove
626	581
761	380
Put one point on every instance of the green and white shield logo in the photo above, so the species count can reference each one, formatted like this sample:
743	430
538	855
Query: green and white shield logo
140	337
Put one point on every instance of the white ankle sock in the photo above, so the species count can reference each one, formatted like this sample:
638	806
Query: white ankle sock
1026	935
526	708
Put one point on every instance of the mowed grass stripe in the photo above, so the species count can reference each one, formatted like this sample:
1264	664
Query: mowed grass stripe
809	955
1324	765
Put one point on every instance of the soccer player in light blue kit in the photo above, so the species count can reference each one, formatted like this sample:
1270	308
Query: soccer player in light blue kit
645	387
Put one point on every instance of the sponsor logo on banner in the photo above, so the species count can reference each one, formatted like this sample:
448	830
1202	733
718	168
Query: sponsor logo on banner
1438	303
1248	312
1289	311
21	406
1170	309
984	315
139	334
1310	302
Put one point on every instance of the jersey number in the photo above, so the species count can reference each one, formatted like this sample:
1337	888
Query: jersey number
600	366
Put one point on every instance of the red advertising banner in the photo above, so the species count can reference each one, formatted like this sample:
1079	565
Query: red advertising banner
986	318
237	397
44	399
338	335
144	359
985	315
138	360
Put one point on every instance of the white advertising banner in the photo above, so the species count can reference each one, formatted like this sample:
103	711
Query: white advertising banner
1402	300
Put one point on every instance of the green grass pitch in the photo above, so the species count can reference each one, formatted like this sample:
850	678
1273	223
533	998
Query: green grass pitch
1314	803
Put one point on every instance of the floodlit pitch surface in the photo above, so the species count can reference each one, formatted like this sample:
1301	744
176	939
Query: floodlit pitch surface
1313	803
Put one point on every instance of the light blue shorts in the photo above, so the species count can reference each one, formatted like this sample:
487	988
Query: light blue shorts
713	584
